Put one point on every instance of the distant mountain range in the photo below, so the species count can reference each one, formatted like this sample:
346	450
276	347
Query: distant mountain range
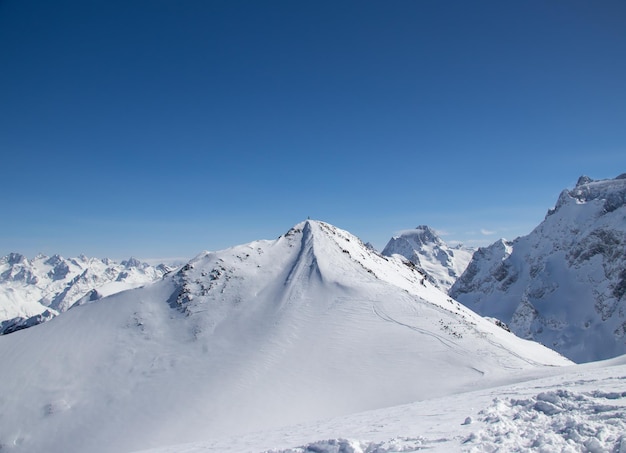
564	284
36	290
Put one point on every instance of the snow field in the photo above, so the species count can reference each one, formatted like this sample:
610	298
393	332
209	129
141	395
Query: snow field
578	409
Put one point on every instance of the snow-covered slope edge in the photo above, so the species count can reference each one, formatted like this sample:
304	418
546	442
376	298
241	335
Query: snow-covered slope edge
35	290
564	284
579	408
270	333
424	248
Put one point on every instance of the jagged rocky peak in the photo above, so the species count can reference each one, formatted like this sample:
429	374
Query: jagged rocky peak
132	263
310	253
420	235
583	180
15	258
611	192
564	284
427	234
494	254
54	260
424	248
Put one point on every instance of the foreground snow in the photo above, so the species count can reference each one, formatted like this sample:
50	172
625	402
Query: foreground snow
577	409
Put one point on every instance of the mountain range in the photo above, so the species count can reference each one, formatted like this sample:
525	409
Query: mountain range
229	349
35	290
562	285
308	326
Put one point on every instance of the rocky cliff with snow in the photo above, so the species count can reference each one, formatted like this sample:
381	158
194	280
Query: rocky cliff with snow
564	284
423	247
36	290
311	325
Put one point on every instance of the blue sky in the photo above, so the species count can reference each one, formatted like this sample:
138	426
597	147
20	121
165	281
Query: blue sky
162	128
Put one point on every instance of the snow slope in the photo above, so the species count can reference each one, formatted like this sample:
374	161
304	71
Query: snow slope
576	409
33	291
424	248
564	284
311	325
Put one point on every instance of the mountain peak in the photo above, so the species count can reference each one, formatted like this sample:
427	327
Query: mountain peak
132	263
310	325
564	284
583	180
15	258
424	248
607	194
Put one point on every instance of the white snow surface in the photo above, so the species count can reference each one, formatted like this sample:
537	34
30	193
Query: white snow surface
424	248
564	284
572	409
30	287
309	326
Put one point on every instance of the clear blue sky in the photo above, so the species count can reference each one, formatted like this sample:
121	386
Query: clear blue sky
162	128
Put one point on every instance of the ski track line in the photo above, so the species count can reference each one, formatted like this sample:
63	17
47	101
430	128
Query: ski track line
385	317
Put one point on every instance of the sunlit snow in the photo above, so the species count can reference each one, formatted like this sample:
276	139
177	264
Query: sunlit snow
309	326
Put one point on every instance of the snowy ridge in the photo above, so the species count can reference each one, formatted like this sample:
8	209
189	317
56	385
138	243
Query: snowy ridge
309	326
35	291
424	248
565	283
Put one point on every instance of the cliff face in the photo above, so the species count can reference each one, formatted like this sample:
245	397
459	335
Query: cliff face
564	284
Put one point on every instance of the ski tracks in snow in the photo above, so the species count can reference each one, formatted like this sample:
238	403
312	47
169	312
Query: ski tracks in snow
381	313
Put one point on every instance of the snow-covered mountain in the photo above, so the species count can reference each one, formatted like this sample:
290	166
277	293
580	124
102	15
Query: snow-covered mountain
311	325
564	284
424	248
33	291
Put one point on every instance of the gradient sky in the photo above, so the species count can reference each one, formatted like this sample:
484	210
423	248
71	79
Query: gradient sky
163	128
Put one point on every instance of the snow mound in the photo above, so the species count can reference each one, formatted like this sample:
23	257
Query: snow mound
580	408
558	420
354	446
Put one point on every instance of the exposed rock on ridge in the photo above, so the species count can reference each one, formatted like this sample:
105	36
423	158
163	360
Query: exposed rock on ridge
564	284
423	247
